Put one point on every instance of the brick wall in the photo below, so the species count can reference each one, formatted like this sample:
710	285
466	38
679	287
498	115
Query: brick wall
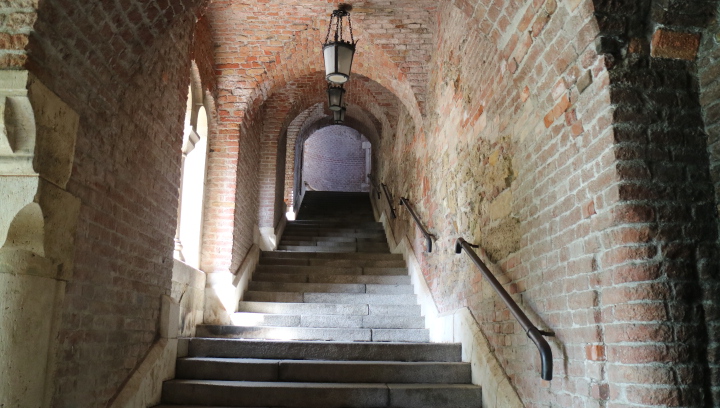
561	136
709	81
666	188
292	162
16	22
130	91
578	165
202	54
334	160
709	86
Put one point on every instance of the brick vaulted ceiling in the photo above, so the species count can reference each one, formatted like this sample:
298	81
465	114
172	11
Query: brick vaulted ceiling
265	49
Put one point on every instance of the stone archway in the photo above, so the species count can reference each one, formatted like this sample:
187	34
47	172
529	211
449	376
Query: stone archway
188	238
336	158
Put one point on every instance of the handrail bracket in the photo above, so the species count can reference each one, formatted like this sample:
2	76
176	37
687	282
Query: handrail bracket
393	214
374	184
429	237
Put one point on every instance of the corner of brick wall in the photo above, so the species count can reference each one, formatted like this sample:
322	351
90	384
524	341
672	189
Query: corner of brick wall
130	91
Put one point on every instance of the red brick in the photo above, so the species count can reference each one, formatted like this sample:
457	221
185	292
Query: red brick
557	111
675	45
595	352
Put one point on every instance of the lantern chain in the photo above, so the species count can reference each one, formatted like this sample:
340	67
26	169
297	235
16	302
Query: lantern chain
352	38
327	36
338	16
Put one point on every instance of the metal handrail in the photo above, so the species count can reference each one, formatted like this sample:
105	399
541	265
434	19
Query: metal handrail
374	184
389	200
404	201
532	332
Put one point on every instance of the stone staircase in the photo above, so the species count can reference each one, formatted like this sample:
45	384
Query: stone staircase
329	320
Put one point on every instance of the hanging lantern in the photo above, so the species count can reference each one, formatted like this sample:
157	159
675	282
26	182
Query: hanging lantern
339	52
335	96
339	116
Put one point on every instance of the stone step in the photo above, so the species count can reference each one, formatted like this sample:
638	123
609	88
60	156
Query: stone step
321	232
320	222
313	240
313	333
347	242
374	263
332	210
338	298
339	248
330	288
330	278
286	242
331	270
350	233
231	369
336	234
336	227
307	270
325	395
329	309
335	249
325	256
302	308
328	321
305	350
306	287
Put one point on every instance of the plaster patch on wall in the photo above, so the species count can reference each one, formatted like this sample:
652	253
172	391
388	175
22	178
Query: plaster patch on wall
500	240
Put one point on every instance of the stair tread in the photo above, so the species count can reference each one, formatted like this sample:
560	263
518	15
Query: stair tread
337	270
297	384
318	255
329	297
302	394
330	308
249	319
330	319
330	278
320	362
339	288
336	350
315	333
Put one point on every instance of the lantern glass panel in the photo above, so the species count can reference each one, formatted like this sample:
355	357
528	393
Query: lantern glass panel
339	115
345	58
335	97
329	53
338	61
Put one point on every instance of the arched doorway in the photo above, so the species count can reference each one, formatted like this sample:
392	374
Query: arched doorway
336	158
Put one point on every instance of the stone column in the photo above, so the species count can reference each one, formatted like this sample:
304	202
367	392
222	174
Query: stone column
191	140
37	230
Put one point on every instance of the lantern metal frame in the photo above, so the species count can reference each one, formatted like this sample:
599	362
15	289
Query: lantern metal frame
337	71
335	96
339	116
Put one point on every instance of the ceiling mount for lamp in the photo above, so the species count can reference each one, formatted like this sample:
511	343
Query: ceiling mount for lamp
335	96
339	51
339	116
